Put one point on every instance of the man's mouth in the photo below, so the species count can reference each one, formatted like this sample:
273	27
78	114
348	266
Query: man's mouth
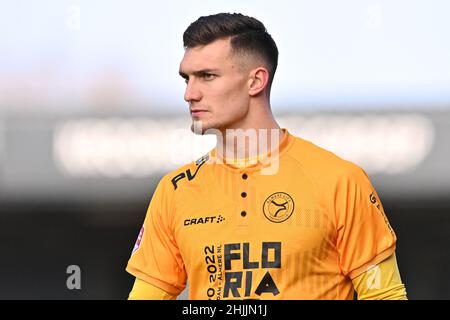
196	112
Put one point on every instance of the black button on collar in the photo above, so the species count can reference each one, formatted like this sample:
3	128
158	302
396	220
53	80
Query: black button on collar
244	176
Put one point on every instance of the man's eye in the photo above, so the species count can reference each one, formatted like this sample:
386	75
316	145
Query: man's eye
209	76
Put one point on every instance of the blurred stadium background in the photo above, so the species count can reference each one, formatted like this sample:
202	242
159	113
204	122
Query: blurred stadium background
92	115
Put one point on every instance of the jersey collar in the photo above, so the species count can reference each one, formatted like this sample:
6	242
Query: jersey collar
255	163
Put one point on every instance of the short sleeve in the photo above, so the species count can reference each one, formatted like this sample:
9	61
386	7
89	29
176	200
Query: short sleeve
364	235
156	258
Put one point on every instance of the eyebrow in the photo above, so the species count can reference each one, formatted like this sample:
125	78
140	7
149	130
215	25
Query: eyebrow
197	73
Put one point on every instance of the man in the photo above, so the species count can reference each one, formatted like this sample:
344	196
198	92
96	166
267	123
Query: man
284	220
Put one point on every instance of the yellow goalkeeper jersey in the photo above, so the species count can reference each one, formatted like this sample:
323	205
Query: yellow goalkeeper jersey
302	231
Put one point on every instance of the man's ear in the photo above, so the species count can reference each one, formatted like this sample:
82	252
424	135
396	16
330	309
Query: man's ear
258	81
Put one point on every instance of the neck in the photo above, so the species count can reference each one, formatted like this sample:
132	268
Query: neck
250	138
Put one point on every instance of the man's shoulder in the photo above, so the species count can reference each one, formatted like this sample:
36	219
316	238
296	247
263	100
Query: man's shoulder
319	160
189	171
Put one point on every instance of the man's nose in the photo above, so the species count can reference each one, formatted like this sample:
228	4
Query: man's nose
192	92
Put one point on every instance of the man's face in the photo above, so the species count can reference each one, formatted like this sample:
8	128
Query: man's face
216	86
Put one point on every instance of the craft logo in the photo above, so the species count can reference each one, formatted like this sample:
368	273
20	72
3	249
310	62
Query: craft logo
203	220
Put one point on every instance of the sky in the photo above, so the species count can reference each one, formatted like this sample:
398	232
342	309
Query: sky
333	54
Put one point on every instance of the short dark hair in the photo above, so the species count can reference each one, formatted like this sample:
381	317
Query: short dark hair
248	35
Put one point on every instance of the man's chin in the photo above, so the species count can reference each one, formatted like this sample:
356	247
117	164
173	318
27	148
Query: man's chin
200	127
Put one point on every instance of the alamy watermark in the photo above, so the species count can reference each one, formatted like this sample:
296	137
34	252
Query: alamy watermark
242	147
74	279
